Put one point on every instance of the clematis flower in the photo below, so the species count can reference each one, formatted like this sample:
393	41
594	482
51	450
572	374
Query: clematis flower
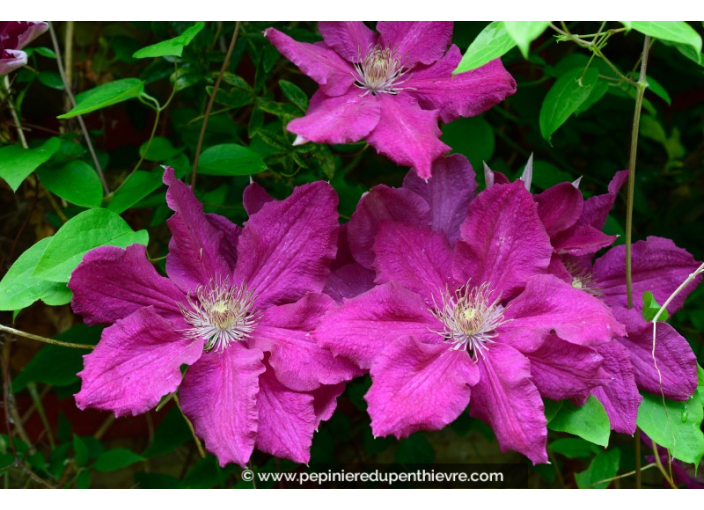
389	88
15	35
481	318
658	266
238	309
573	223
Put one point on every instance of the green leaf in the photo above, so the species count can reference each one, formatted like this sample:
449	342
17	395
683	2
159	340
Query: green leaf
651	308
673	31
40	50
160	149
627	24
687	51
51	79
656	88
230	159
525	32
171	433
57	365
491	43
472	137
76	182
564	97
551	408
80	451
19	289
679	420
574	448
105	95
294	94
115	459
415	449
17	163
604	466
172	47
589	422
135	188
204	475
83	480
79	235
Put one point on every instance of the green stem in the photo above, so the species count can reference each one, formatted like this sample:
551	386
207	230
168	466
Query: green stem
641	86
38	338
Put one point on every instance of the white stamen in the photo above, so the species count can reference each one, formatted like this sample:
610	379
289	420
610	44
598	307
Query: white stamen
470	318
220	313
380	71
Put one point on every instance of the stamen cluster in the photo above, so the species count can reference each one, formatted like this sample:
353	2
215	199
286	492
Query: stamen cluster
380	71
470	318
221	313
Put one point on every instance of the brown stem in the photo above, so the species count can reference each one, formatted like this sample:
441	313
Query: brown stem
225	64
24	334
67	86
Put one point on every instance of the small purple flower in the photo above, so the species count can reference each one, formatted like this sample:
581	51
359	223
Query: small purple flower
238	309
479	318
15	35
389	88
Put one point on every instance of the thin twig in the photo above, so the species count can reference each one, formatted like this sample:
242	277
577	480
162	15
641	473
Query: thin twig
44	339
104	427
67	86
201	451
13	112
224	67
642	85
665	475
625	475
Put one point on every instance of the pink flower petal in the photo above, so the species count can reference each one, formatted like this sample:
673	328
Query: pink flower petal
448	193
363	326
287	420
564	370
620	397
350	39
299	362
11	60
112	283
504	241
382	204
286	248
548	304
507	399
559	207
346	118
676	372
326	401
581	240
416	42
463	95
219	396
254	198
135	364
597	208
334	75
416	257
194	250
418	386
658	267
349	281
407	134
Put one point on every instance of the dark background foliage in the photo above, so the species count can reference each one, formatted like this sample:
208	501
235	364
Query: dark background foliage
60	446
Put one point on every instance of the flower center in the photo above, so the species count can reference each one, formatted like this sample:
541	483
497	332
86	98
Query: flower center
470	318
582	279
220	313
380	71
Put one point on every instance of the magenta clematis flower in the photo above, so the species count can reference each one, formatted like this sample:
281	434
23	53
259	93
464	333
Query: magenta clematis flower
15	35
659	266
481	318
440	203
573	223
238	309
389	88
